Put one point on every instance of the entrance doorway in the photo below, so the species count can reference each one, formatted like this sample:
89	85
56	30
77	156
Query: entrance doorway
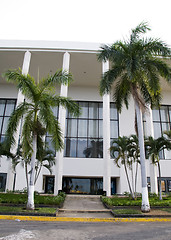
94	186
49	184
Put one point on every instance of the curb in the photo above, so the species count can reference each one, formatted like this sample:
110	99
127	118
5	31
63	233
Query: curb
70	219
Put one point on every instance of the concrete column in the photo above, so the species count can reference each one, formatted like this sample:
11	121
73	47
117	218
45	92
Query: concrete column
20	99
61	119
152	167
106	138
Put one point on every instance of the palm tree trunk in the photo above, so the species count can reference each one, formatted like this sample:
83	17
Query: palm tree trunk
37	175
136	174
130	189
26	173
30	202
160	190
145	207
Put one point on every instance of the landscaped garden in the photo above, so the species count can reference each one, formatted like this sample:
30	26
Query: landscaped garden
16	203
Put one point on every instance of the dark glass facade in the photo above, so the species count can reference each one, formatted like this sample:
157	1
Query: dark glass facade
84	135
6	108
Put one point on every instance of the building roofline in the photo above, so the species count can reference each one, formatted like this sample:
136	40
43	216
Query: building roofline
49	45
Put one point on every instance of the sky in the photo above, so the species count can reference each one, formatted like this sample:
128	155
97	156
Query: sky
101	21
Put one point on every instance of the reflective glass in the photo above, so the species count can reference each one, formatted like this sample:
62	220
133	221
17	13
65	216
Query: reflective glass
100	110
84	109
95	148
5	124
165	127
0	123
155	113
55	111
113	129
70	147
167	154
9	107
82	147
93	128
157	130
2	106
100	128
113	112
72	128
49	145
93	110
82	128
164	114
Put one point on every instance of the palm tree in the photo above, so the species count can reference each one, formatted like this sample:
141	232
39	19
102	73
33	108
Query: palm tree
153	149
37	115
120	152
136	71
134	155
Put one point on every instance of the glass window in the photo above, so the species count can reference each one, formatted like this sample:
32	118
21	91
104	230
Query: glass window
84	109
156	116
93	110
82	147
82	128
2	107
113	112
93	128
84	135
9	107
161	123
72	128
6	108
113	129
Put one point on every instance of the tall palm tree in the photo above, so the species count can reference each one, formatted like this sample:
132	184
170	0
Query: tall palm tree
37	115
153	149
136	71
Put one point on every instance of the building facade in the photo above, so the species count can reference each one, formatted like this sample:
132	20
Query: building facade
84	165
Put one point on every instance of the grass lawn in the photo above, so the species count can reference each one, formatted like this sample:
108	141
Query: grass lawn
127	211
127	201
10	209
21	198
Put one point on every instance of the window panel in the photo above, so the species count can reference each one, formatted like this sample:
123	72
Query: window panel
84	134
165	127
82	147
5	124
113	112
156	116
113	129
100	128
2	107
70	147
93	110
164	114
95	148
72	128
84	109
93	128
100	110
157	130
9	107
82	128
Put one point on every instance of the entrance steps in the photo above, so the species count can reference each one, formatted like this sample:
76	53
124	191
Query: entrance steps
88	206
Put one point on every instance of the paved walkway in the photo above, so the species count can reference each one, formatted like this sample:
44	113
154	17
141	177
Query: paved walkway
83	206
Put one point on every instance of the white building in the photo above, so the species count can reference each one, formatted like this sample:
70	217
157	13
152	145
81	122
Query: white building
84	165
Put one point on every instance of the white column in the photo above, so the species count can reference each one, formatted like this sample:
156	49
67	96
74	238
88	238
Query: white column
62	120
20	99
152	167
106	138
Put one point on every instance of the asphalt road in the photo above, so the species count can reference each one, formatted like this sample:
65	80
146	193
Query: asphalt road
23	230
